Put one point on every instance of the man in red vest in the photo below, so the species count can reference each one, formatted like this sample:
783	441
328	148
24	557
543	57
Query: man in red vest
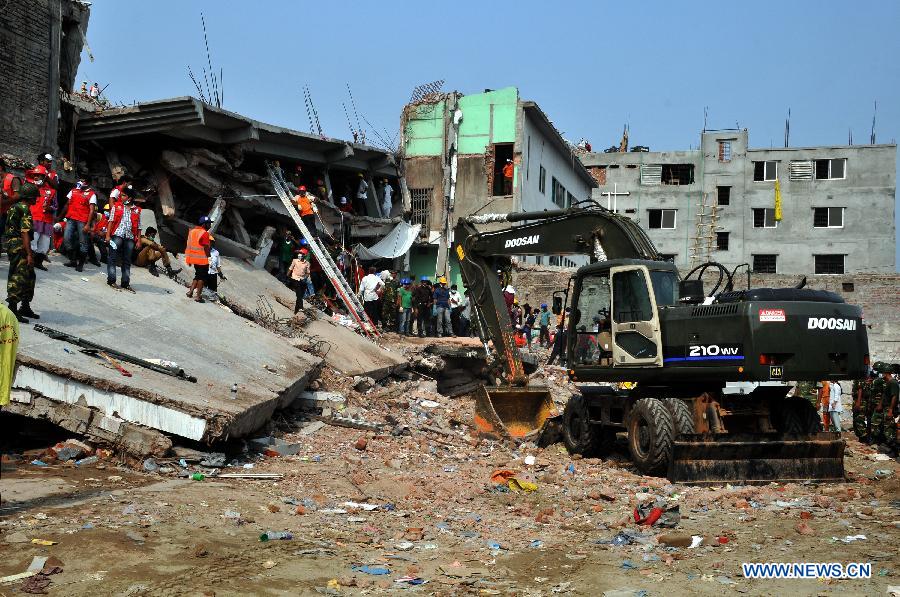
80	212
123	231
43	210
196	253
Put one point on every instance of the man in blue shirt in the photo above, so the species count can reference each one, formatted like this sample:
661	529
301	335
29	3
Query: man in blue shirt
545	325
442	307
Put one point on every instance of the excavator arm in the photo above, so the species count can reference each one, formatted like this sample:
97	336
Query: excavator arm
592	231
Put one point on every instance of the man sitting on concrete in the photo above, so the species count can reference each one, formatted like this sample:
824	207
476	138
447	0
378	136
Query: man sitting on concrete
150	251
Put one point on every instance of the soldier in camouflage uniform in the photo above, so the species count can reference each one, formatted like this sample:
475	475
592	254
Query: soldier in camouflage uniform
862	392
876	407
389	304
20	283
889	402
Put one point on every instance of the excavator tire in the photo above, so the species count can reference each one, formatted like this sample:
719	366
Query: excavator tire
651	432
799	416
577	425
682	415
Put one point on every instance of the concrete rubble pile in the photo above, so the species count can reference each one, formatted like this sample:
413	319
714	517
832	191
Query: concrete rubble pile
368	485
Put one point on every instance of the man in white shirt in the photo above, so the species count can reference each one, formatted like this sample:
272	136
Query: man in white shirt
455	309
370	289
387	199
835	408
361	190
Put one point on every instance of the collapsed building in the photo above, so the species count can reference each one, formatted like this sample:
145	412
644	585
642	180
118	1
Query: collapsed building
198	159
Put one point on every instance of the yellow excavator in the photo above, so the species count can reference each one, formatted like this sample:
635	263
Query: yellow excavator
683	350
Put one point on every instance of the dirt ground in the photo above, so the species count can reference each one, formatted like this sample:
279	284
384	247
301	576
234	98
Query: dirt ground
416	501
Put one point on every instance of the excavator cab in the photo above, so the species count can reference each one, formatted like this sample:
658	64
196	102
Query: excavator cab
615	317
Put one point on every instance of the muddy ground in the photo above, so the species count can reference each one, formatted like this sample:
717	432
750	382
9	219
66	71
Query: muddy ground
433	513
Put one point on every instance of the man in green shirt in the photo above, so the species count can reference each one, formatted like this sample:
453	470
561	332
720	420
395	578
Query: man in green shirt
891	394
404	302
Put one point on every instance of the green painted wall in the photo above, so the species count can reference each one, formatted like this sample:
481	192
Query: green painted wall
479	110
423	259
425	131
487	118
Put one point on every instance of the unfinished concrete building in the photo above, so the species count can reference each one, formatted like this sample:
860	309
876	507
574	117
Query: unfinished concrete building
718	202
454	148
40	50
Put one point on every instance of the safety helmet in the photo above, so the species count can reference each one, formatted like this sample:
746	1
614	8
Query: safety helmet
106	207
203	219
543	305
302	188
442	280
303	242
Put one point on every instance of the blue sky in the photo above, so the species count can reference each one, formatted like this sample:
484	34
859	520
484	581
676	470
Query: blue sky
592	66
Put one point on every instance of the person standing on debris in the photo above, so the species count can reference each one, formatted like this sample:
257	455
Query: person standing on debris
196	253
150	251
215	267
9	195
862	390
21	279
389	309
891	397
455	302
835	408
876	404
80	210
508	177
286	247
544	323
362	190
422	301
43	213
509	297
299	274
822	397
442	306
465	316
387	202
559	346
9	346
371	287
98	238
404	303
306	205
95	91
528	325
123	231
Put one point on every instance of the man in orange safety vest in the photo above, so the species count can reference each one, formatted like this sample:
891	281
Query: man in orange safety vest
196	253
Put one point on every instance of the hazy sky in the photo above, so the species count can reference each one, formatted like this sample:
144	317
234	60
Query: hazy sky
592	66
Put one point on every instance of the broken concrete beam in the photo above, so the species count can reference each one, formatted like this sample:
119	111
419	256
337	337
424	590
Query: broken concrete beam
205	157
237	225
217	214
198	177
312	400
77	418
264	247
164	192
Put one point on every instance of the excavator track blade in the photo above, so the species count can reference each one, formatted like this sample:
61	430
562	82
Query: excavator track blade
519	413
757	458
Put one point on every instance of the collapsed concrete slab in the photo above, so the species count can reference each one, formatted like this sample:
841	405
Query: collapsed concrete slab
157	322
342	348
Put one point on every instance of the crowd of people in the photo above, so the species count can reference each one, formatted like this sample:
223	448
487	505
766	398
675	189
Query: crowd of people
36	221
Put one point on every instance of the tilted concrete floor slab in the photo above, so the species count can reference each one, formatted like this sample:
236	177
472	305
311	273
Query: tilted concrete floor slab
158	321
343	349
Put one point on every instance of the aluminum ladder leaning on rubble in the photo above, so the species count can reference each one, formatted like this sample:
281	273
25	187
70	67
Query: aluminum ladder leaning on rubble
348	297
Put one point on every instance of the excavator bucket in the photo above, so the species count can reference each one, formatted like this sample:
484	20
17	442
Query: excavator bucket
757	458
519	413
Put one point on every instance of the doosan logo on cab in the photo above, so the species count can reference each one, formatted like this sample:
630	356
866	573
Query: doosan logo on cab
830	323
522	241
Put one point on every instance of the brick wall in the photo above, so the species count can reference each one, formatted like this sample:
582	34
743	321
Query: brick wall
877	294
25	27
